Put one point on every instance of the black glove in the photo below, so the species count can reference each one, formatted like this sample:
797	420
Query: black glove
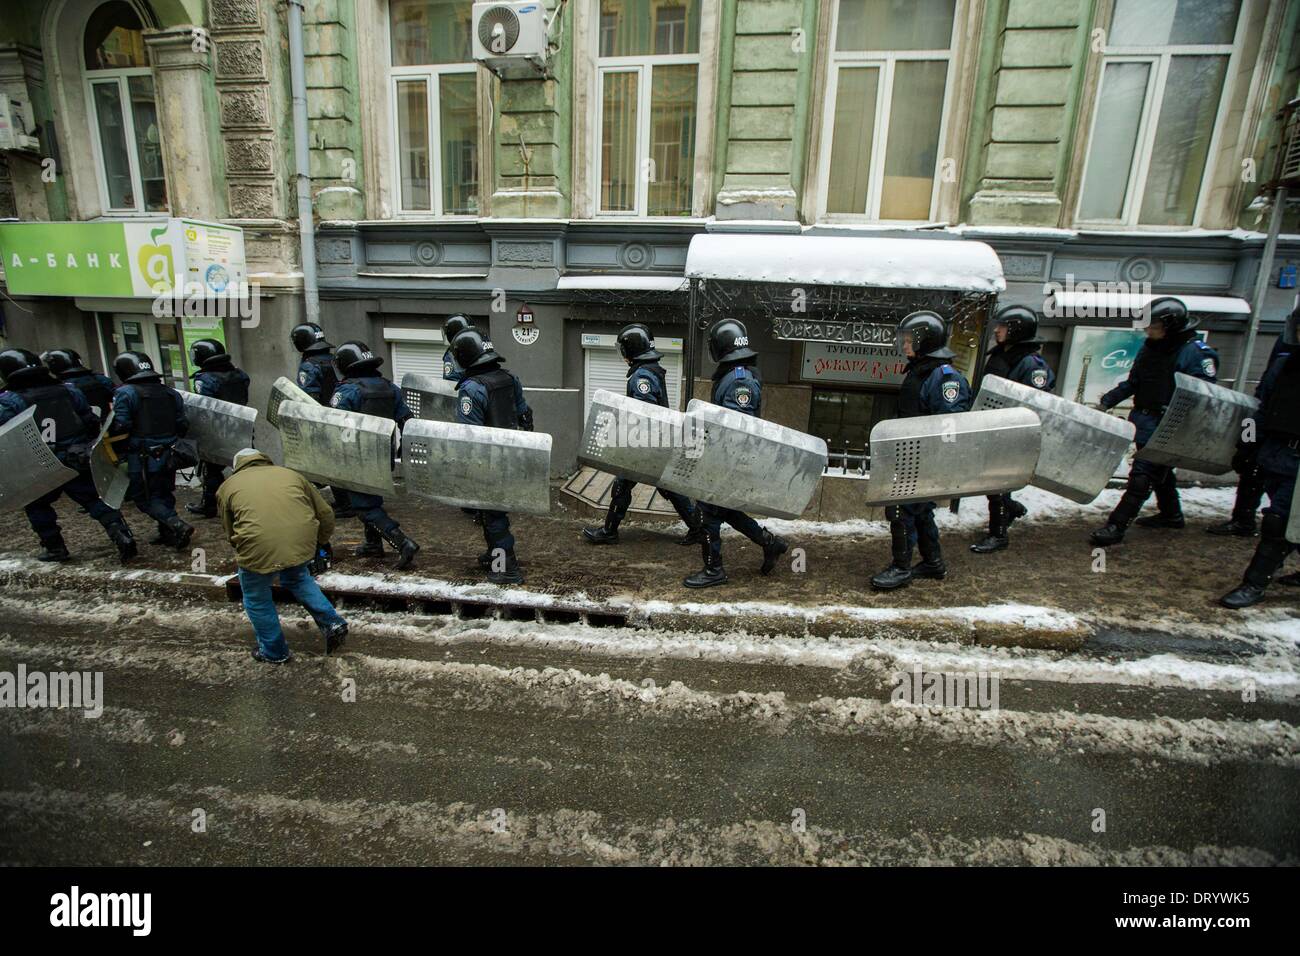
323	561
526	421
1244	459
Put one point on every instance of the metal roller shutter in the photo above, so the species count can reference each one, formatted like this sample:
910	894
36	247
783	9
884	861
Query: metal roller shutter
605	368
422	357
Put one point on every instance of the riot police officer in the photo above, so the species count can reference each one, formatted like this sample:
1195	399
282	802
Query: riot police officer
362	389
96	389
60	406
1250	483
647	381
1276	455
456	324
318	378
931	386
217	377
1171	346
1015	357
491	395
152	415
736	385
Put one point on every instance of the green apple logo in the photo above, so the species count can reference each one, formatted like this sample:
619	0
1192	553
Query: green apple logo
156	263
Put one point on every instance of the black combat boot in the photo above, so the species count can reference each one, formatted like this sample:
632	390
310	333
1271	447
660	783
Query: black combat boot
1269	555
773	548
335	636
1162	520
931	564
207	508
1291	580
898	573
1234	527
181	533
510	574
53	549
711	574
121	536
373	546
406	548
165	536
603	534
1169	509
999	519
1130	503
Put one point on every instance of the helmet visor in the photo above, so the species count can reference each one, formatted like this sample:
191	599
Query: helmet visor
903	340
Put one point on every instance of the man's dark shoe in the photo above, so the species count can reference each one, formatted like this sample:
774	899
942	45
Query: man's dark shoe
1161	521
121	536
601	535
53	549
773	548
510	574
335	636
1243	596
1234	528
406	548
165	536
1111	534
202	511
891	578
989	543
930	569
181	533
1291	580
263	659
373	546
710	575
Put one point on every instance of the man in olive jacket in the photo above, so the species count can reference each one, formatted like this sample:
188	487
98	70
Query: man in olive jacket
278	523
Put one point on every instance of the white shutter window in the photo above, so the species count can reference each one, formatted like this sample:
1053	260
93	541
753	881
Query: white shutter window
424	358
605	368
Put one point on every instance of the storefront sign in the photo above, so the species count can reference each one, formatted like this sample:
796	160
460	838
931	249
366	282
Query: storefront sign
121	259
826	330
852	364
1099	359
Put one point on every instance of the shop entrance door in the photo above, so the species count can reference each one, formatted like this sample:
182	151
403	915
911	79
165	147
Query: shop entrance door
160	339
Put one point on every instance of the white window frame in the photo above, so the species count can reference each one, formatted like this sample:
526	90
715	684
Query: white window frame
432	74
643	67
1159	57
121	78
885	61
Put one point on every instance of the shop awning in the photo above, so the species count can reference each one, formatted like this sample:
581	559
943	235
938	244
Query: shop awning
961	265
623	283
1102	304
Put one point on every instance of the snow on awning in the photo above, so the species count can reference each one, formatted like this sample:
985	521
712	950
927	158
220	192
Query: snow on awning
628	283
961	265
1108	304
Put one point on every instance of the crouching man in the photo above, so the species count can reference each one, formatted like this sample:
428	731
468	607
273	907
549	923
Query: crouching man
278	523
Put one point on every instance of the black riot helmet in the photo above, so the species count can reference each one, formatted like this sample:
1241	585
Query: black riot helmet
1290	330
208	350
134	367
309	337
20	368
1021	323
1170	313
471	350
729	341
354	359
928	333
635	343
63	362
455	325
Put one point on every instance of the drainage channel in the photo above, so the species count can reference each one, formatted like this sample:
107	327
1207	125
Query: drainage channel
449	607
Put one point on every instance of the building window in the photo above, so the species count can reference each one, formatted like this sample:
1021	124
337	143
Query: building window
1157	112
123	114
887	81
647	80
435	107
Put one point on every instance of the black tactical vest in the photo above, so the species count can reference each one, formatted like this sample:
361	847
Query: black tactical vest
378	397
500	386
1002	361
328	379
662	375
53	403
1155	367
156	415
97	394
1281	414
232	386
909	393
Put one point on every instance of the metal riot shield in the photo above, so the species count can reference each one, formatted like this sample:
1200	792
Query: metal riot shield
30	469
474	466
739	461
284	390
1200	428
108	466
1081	446
219	428
429	397
339	448
630	438
951	456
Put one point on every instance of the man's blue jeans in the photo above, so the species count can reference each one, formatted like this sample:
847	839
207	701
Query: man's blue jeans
261	608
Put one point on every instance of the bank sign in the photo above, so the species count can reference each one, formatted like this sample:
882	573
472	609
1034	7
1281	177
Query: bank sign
121	259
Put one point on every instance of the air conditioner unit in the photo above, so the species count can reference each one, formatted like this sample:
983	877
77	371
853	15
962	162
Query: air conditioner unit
510	38
16	124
